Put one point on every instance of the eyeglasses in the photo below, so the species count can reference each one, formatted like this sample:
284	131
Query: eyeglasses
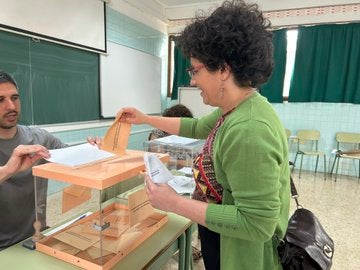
194	69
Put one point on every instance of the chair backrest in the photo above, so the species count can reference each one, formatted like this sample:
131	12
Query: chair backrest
308	134
308	139
348	138
288	133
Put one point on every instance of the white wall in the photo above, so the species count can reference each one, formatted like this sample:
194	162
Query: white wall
191	98
144	15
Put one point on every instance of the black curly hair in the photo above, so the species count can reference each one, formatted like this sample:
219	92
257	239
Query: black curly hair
235	34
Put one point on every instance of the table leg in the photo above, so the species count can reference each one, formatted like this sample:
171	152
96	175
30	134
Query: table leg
188	249
182	252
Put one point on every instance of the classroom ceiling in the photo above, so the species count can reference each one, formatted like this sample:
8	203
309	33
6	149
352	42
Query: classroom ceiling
184	2
265	4
168	10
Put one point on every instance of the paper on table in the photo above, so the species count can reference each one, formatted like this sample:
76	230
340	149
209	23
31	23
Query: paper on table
78	155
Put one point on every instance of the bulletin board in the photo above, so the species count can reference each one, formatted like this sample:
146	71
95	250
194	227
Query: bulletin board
129	78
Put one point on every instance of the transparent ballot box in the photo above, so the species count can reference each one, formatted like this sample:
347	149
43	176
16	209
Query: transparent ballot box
82	220
181	150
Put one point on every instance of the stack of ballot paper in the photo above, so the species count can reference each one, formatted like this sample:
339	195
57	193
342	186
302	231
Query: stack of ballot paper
158	172
78	155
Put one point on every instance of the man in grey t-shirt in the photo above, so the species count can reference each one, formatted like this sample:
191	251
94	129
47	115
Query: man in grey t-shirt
20	148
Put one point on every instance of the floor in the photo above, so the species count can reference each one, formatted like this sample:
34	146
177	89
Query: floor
337	206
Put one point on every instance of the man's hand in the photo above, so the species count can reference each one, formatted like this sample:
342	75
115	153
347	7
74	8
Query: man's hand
95	141
22	158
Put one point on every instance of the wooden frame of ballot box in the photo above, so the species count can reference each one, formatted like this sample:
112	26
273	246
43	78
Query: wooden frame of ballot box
88	242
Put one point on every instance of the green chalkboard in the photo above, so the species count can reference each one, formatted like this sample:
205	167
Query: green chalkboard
57	84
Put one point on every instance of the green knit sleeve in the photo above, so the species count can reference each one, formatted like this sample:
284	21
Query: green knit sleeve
199	128
248	160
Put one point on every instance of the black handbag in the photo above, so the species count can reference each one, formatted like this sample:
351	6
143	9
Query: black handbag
306	245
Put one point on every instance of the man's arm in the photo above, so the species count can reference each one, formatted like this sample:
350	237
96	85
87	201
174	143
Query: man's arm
21	159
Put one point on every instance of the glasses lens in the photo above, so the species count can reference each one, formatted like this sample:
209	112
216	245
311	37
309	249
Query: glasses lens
194	69
190	71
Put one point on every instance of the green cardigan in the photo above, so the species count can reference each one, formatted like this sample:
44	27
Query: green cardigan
251	163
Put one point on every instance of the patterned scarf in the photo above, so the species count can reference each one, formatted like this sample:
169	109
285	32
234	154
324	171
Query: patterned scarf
207	187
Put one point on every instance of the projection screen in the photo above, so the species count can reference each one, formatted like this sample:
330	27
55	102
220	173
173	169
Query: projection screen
79	23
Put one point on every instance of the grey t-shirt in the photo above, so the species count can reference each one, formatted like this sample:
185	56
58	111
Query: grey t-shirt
17	199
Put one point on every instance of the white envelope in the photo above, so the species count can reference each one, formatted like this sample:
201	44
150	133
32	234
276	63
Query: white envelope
156	169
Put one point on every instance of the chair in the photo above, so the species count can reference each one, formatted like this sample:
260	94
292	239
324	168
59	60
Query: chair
347	140
307	144
288	133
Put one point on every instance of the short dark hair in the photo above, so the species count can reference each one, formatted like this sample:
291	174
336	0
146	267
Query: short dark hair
235	34
178	110
6	77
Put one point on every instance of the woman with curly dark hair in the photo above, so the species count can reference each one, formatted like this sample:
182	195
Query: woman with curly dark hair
241	201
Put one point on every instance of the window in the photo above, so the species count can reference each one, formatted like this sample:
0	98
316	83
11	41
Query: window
170	65
290	60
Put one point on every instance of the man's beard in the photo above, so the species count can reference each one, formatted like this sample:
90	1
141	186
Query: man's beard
3	124
7	126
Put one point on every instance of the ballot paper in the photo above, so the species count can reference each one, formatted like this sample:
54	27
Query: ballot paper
182	184
78	155
160	174
176	140
156	169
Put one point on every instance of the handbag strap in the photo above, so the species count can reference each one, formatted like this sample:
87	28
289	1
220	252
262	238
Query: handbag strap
294	193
